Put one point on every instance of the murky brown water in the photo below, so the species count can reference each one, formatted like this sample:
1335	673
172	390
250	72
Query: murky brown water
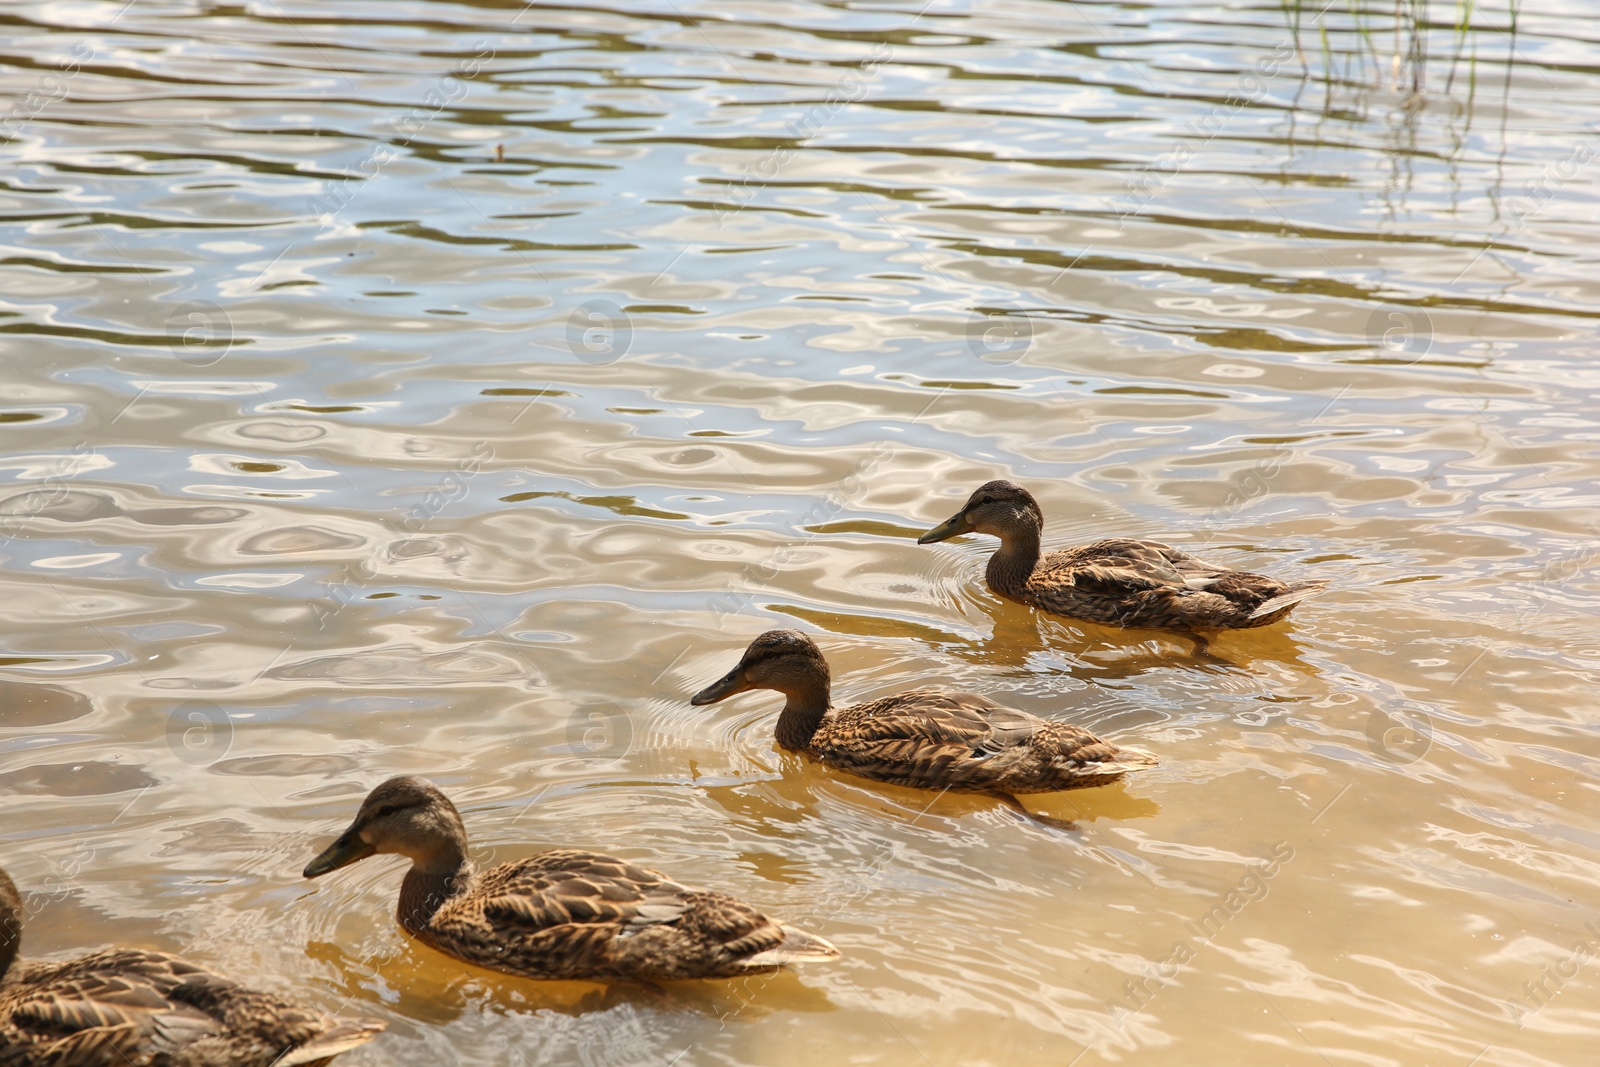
335	446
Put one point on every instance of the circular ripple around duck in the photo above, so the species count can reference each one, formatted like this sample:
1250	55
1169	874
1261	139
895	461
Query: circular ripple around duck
956	577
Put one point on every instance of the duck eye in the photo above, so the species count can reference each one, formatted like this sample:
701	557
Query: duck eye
987	500
387	810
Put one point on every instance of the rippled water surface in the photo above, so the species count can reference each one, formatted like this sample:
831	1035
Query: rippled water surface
453	388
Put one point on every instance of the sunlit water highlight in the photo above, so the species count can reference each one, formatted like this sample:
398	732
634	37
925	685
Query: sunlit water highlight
455	388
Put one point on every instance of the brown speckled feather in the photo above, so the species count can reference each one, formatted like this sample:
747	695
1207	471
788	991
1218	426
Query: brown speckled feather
936	739
148	1009
571	914
1125	582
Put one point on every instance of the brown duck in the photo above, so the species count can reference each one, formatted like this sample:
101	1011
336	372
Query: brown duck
125	1007
923	738
560	914
1118	580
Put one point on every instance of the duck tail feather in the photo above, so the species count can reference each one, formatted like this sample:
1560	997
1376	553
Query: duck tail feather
342	1038
1134	759
1285	601
798	945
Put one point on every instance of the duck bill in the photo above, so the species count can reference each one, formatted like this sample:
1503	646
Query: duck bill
954	526
721	689
341	853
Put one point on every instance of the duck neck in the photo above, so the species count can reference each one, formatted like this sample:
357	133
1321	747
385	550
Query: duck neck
1012	564
802	714
429	884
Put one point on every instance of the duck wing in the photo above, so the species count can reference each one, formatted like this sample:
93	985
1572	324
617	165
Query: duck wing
1213	594
127	1006
936	739
1128	582
924	738
1123	566
91	1018
573	914
934	716
566	886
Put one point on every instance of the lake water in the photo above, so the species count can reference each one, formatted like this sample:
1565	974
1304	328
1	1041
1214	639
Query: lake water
453	389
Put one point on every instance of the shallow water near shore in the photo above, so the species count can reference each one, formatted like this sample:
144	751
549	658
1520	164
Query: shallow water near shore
454	389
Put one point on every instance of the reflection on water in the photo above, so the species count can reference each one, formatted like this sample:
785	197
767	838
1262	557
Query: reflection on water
452	388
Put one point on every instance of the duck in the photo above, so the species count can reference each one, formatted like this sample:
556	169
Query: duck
125	1006
564	913
926	738
1121	581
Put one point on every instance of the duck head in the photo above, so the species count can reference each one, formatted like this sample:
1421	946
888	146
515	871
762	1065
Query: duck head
407	816
784	660
997	508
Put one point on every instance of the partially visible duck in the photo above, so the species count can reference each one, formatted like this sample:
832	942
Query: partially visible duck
127	1006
